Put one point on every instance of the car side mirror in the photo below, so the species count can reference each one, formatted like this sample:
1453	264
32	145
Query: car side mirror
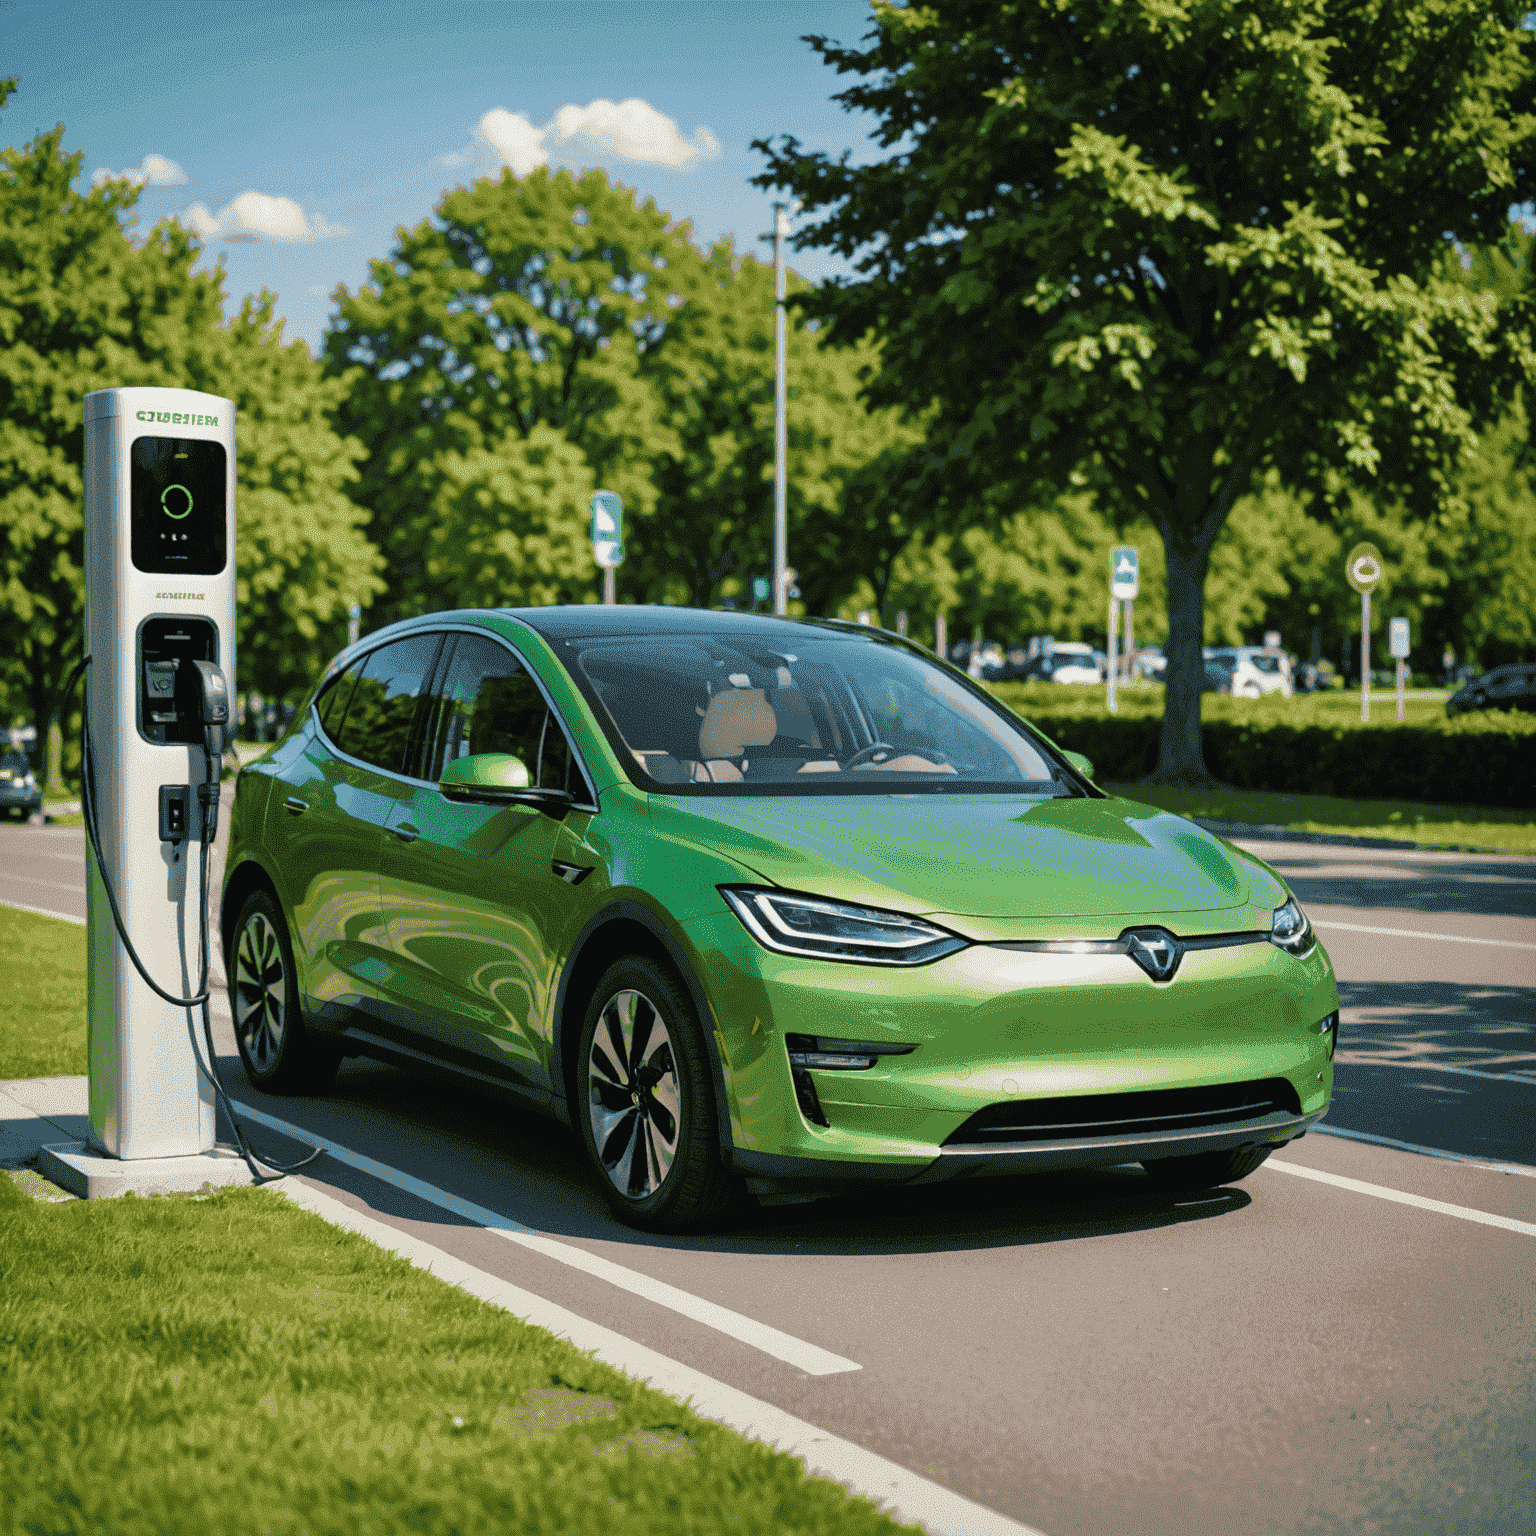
498	778
1083	765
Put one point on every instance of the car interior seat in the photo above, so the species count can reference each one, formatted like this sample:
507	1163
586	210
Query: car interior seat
735	719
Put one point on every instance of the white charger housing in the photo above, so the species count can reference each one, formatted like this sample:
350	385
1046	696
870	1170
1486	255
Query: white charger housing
160	595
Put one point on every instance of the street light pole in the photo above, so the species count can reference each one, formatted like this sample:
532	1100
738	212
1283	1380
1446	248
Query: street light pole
780	439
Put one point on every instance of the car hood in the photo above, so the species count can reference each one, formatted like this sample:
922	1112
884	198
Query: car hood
983	856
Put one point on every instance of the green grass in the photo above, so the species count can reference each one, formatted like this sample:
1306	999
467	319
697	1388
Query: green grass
234	1364
1472	826
42	1006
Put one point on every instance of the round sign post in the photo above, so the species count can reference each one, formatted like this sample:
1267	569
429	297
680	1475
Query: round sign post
1364	570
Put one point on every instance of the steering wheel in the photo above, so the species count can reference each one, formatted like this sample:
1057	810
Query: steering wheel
877	751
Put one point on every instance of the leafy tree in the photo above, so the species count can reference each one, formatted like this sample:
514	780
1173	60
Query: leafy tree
83	305
1158	248
79	304
302	555
545	302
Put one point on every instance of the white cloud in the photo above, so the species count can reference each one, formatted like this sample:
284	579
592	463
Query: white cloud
156	171
630	130
253	216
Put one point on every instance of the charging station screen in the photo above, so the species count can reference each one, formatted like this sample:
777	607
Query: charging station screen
177	486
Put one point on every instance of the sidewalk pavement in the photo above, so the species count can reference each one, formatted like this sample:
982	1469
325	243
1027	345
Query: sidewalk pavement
36	1112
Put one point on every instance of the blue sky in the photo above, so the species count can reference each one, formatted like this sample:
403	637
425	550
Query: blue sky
308	130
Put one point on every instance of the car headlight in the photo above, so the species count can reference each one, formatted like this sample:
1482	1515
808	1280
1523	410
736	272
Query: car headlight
1290	929
830	930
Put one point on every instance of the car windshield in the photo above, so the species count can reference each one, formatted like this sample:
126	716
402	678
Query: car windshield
830	713
1265	661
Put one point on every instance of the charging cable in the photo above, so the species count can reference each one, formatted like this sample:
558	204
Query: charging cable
215	713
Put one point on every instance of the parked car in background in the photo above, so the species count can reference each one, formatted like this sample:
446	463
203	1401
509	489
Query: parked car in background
20	794
1068	661
1253	671
1152	661
1511	687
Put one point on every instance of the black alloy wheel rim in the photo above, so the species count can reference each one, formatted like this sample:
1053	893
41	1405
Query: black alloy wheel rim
261	982
634	1097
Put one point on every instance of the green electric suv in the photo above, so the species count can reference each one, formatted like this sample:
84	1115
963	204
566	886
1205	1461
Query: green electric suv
758	904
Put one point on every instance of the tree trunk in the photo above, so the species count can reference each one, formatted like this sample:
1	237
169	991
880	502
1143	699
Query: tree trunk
1181	756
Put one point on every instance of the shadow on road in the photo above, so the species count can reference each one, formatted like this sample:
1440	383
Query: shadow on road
1480	889
534	1171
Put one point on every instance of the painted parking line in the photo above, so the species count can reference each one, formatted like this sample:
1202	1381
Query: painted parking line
904	1494
1418	933
1402	1197
1410	1146
810	1358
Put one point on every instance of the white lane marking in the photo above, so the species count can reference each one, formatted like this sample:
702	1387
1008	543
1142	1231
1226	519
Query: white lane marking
906	1495
810	1358
1353	1059
1402	1197
1409	1146
63	917
1417	933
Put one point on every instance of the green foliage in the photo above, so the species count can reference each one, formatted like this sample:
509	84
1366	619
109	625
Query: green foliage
301	552
1158	249
1481	759
42	1012
84	306
80	304
234	1364
543	303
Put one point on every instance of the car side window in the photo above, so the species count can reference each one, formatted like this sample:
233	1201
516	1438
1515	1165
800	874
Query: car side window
490	704
332	703
382	710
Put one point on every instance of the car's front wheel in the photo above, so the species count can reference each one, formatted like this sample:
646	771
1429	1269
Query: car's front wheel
645	1104
279	1054
1205	1170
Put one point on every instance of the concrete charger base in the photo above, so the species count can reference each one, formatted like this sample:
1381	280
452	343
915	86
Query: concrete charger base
92	1175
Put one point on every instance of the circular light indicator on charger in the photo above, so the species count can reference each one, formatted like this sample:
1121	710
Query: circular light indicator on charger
166	506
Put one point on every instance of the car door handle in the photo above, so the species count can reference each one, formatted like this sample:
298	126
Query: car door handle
295	806
405	832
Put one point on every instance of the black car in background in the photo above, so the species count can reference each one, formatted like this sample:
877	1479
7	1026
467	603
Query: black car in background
20	794
1511	687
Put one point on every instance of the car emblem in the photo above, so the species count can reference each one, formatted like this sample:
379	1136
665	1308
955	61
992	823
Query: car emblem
1156	951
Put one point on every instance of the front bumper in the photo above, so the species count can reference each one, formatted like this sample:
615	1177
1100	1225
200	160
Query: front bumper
997	1030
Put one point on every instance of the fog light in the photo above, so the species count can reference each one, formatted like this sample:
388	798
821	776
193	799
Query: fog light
830	1055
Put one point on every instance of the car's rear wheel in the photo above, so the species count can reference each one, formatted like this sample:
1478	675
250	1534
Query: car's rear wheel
1205	1170
645	1105
277	1051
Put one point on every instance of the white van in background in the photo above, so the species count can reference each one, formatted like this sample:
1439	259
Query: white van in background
1255	670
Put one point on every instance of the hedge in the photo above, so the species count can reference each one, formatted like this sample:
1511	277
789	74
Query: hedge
1478	759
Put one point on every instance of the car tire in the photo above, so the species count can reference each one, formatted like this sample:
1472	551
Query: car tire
645	1102
1205	1170
279	1052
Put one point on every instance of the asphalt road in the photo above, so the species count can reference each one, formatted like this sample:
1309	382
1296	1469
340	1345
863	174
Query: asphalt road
1343	1343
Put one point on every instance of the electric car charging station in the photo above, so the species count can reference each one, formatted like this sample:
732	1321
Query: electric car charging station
160	643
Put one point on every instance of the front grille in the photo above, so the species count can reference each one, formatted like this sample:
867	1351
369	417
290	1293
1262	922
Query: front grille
1127	1114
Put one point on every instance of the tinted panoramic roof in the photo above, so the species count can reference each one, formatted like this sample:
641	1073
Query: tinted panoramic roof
588	621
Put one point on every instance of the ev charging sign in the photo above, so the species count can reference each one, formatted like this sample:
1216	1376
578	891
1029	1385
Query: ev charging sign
160	598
